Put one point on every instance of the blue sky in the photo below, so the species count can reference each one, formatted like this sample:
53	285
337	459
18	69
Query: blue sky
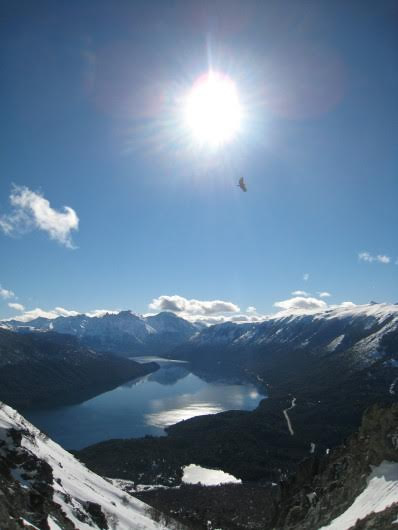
91	119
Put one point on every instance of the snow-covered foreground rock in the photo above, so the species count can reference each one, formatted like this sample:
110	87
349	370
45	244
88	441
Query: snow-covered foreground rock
43	486
381	491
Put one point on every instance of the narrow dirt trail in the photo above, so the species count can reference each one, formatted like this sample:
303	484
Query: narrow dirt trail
285	413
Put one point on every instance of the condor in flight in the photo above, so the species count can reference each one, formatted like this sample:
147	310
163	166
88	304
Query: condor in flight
242	184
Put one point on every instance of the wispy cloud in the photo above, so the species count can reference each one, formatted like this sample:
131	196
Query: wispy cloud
300	303
6	293
239	318
300	293
31	314
347	304
179	304
32	211
380	258
306	276
102	312
17	307
324	294
38	312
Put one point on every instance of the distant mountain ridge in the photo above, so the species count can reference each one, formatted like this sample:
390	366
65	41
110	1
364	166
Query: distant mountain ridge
124	333
363	330
362	334
334	328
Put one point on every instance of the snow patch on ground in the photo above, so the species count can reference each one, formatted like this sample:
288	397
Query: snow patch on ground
335	343
52	524
194	474
131	487
380	492
392	386
27	524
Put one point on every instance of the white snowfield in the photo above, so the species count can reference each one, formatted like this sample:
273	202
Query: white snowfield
380	492
122	511
194	474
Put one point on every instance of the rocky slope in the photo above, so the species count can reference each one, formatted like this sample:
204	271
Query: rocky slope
357	481
124	333
46	369
45	488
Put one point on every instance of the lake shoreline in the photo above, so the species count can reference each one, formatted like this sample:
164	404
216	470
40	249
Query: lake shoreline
145	406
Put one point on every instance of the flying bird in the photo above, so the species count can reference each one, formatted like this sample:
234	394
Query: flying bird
242	184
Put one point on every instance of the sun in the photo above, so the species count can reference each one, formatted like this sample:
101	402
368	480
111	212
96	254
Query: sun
212	110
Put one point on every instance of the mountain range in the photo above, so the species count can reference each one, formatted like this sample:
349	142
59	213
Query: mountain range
362	331
124	333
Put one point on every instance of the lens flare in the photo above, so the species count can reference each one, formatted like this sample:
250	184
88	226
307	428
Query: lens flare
212	110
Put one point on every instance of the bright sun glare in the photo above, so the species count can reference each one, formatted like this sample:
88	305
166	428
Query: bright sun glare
212	110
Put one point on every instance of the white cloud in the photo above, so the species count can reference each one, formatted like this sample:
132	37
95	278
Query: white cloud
183	306
6	293
61	312
102	312
220	319
17	307
383	258
31	314
365	256
301	293
324	294
206	312
32	210
306	276
246	318
380	258
299	303
347	304
38	312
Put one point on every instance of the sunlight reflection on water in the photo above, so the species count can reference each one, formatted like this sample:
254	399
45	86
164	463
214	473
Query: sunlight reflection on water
210	399
169	417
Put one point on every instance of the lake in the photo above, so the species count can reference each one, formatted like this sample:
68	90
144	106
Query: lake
142	407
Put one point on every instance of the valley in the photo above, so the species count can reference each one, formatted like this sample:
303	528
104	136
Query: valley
319	373
143	406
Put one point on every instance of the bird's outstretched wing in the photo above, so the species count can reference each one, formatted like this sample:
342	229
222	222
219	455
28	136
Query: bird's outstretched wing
242	184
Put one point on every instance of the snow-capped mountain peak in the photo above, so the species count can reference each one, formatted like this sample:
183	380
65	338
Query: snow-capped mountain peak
124	332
